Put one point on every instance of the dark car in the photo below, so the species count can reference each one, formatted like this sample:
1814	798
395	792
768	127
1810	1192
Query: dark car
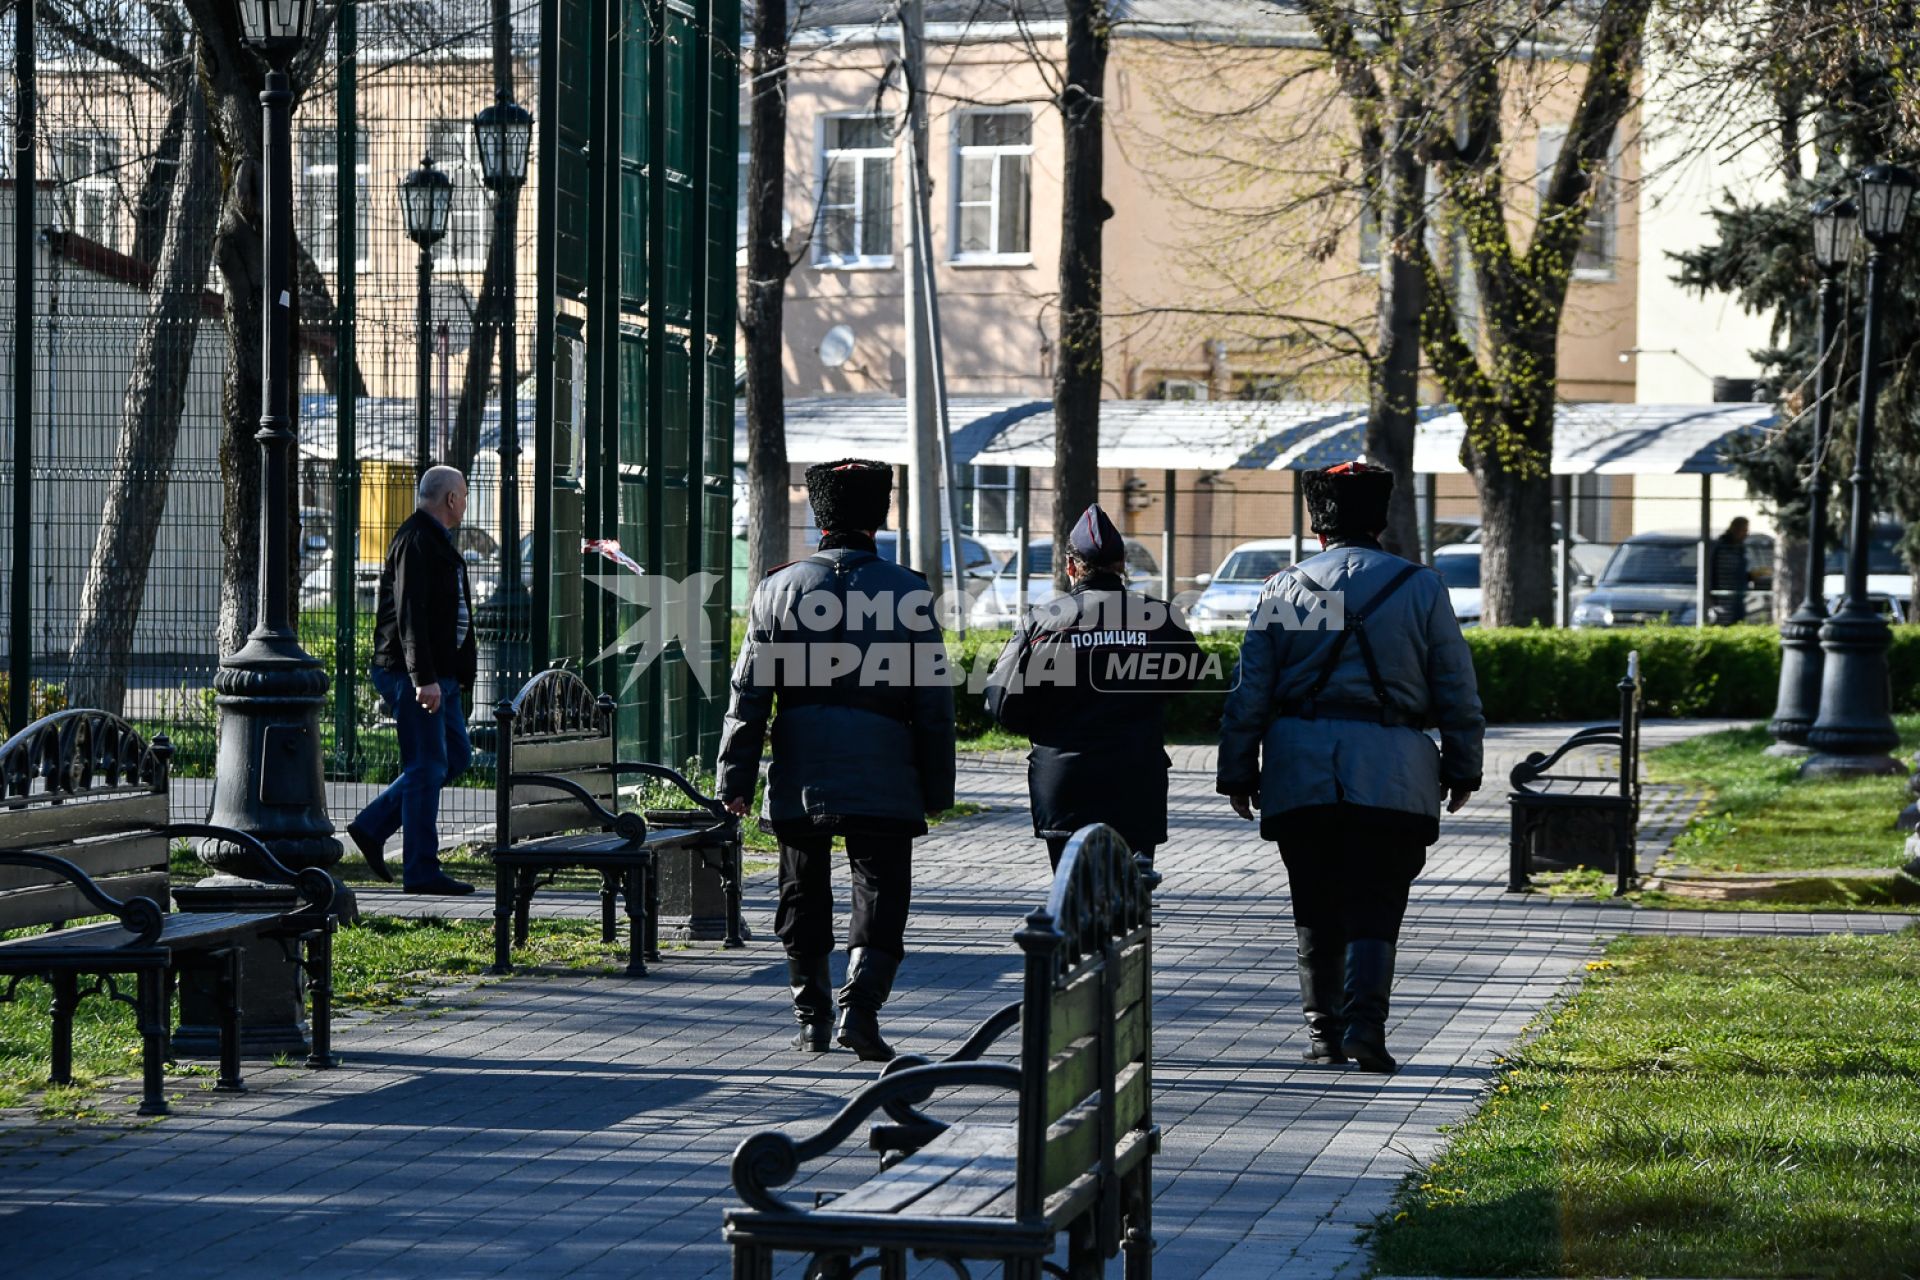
1654	577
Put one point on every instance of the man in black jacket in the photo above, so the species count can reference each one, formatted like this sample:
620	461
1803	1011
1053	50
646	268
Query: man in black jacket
1086	677
862	747
423	656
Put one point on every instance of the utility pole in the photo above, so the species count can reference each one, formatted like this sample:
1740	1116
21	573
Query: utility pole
923	471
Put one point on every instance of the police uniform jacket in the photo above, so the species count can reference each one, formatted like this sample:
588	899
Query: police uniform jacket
1087	678
1338	747
868	749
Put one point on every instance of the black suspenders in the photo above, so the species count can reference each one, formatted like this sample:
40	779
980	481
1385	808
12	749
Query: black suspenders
1308	708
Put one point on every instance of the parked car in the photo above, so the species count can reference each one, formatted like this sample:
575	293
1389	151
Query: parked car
996	605
316	583
1458	565
977	564
1889	582
1654	577
1229	593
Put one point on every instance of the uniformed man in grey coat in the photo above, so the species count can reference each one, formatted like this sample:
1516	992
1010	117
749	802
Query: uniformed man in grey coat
844	656
1350	657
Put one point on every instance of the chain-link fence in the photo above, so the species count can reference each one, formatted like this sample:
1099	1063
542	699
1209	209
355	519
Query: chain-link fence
142	340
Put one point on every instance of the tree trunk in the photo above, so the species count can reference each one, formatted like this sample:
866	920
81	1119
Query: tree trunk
1789	574
1516	571
1084	211
1395	411
156	199
768	266
242	259
136	496
317	309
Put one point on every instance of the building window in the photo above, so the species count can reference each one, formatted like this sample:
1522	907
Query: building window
1369	233
87	167
1595	257
317	215
469	220
993	160
989	508
856	193
1190	389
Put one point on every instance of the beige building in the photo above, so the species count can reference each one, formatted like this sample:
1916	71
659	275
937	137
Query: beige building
1238	259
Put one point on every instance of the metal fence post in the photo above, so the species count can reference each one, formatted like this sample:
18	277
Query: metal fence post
346	460
20	633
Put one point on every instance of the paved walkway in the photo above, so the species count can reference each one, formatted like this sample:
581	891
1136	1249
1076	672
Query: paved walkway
561	1125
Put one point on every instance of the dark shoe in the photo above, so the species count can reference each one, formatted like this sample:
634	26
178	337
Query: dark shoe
442	884
372	850
811	983
1369	985
869	983
1323	970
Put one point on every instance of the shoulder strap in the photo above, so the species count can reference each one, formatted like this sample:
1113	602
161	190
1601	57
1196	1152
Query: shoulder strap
1356	623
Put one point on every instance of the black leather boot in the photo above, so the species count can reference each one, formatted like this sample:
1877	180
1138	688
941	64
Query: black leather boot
1323	970
812	987
869	983
1369	984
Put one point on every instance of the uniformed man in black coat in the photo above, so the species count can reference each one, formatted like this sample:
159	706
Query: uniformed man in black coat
1086	677
844	655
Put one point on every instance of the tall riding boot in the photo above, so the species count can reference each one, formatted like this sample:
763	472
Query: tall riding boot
812	987
1369	984
869	983
1323	970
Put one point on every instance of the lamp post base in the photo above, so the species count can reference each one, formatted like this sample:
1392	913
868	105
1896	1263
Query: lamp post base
1832	764
1785	748
1854	734
1802	666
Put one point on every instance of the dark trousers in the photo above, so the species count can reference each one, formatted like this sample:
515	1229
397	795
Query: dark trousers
1057	845
882	869
1353	889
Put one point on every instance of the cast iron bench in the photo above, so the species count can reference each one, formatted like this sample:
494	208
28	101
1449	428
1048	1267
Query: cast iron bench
557	806
1564	820
1078	1157
84	832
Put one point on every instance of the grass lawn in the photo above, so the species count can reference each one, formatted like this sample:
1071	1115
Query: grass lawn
1700	1108
1761	817
376	964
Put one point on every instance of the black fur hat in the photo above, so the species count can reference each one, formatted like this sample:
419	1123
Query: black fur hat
1348	499
851	495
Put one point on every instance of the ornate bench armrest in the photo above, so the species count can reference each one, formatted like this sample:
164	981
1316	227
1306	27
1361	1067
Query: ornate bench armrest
141	916
983	1038
728	825
770	1158
631	827
315	885
1534	767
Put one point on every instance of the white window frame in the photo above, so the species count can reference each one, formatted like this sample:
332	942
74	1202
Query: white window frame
996	256
1191	390
860	261
1371	240
464	247
320	178
1007	488
94	186
1606	214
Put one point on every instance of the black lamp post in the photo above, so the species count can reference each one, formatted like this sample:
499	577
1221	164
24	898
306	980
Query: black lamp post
502	134
426	199
1801	658
267	779
1854	732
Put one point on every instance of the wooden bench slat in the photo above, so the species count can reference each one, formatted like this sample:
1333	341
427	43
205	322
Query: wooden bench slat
45	822
597	782
1073	1145
1076	1010
1130	1096
98	858
1073	1074
558	755
22	907
961	1173
531	821
184	931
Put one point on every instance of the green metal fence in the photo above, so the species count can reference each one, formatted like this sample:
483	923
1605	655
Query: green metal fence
602	292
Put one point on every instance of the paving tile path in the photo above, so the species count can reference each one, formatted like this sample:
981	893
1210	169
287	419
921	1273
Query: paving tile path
566	1125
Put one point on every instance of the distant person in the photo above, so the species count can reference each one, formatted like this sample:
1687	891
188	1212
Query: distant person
424	655
847	662
1729	575
1086	677
1349	656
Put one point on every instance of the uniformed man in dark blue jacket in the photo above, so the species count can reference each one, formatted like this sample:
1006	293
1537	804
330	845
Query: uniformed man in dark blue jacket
844	656
1086	677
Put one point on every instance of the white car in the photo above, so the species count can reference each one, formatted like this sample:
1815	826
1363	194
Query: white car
1228	594
997	606
1889	584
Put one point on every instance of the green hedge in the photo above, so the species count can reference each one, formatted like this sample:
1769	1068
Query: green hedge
1540	673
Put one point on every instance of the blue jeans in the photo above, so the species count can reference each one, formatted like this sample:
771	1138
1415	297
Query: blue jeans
433	748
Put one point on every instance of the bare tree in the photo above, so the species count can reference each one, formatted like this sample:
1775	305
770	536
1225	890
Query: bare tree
1083	214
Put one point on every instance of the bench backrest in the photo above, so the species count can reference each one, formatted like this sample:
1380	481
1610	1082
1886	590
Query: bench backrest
1087	1024
555	726
84	786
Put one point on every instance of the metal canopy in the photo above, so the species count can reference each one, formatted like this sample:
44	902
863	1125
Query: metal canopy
1269	435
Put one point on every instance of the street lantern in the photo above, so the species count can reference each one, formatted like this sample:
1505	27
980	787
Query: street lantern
1886	192
426	201
1855	730
1835	220
1802	660
277	26
503	133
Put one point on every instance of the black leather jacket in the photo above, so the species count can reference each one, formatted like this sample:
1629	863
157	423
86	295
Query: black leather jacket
421	586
